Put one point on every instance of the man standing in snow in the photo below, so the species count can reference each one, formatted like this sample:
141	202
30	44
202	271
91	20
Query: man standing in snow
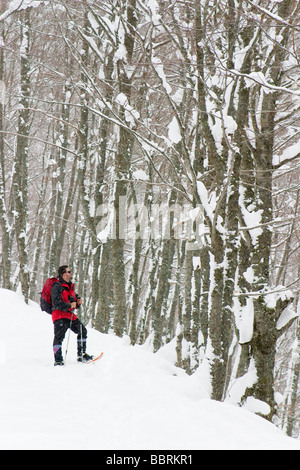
65	301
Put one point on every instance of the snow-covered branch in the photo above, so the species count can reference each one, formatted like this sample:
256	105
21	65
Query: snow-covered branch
18	5
278	19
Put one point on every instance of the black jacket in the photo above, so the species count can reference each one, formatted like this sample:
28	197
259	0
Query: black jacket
56	295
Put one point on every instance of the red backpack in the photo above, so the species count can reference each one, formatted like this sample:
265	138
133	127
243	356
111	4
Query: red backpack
45	300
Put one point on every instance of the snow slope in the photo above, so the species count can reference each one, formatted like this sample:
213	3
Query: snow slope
131	399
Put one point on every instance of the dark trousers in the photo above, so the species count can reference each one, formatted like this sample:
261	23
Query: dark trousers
61	326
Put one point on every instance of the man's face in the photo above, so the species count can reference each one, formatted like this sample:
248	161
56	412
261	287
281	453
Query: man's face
67	275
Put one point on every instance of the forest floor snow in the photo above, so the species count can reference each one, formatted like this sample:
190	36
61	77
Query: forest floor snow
131	399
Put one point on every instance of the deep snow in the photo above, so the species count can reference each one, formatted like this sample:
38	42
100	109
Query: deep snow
131	399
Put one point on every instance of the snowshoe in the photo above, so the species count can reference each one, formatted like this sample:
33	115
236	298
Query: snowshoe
84	358
59	363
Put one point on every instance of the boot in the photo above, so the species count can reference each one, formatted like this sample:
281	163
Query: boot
84	357
58	359
59	363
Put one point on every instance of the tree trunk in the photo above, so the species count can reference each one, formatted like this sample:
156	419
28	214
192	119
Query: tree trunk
20	178
4	222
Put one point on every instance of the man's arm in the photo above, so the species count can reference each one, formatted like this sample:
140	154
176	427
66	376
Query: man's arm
58	303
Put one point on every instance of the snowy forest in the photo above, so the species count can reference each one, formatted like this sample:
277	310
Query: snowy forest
152	145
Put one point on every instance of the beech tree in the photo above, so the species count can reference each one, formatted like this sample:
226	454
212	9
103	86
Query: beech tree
5	235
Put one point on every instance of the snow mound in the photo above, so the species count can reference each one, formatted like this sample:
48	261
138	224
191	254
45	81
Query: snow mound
131	399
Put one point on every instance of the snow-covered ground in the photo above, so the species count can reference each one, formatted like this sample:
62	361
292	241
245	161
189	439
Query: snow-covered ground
131	399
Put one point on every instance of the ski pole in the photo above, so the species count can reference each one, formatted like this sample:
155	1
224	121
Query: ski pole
81	339
69	336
